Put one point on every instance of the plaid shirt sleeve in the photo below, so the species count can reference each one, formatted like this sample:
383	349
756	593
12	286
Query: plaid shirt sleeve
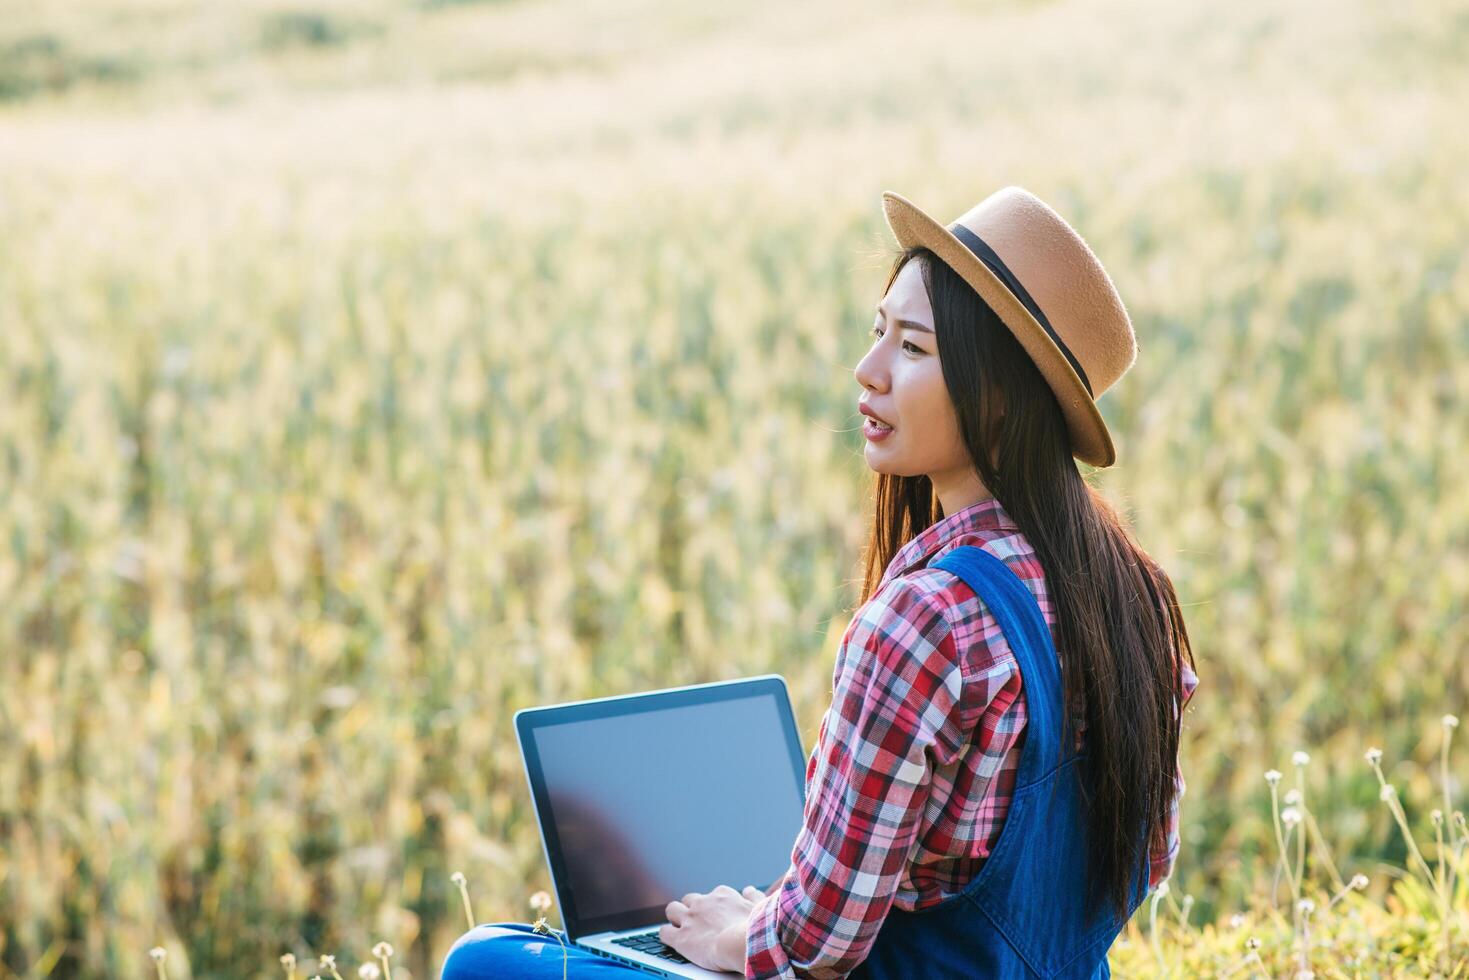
1161	865
895	713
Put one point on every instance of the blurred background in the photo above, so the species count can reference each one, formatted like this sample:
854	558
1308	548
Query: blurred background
371	370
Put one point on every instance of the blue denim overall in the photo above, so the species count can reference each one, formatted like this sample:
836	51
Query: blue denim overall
1023	914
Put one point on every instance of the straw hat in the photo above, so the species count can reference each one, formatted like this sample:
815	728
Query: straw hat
1043	281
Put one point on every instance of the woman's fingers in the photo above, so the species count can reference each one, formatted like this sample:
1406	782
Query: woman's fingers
677	912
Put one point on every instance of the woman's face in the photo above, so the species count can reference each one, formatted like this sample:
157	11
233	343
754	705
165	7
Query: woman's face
905	388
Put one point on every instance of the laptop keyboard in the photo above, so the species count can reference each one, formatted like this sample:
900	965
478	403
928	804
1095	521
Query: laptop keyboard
648	942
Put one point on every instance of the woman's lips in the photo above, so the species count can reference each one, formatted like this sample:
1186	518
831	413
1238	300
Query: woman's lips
874	430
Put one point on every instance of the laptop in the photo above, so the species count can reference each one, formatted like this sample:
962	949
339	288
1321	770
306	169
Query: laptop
643	798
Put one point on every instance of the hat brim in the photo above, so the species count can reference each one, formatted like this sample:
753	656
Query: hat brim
1090	440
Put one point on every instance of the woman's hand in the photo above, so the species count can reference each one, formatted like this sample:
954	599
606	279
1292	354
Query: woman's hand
709	929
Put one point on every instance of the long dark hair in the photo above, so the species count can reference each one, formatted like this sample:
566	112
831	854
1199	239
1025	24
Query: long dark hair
1120	634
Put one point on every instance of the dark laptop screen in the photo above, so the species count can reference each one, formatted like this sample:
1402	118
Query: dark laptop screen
659	795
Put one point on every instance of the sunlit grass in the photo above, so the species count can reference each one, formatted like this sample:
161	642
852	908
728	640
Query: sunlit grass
1329	927
1414	925
343	416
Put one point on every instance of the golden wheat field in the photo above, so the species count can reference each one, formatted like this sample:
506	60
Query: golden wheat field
369	371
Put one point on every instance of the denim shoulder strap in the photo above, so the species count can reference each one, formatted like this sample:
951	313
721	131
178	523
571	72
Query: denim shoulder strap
1026	914
1015	609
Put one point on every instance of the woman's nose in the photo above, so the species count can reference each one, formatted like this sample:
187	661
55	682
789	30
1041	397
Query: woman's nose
869	371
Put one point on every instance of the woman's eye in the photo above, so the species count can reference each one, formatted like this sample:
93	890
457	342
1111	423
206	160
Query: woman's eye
909	346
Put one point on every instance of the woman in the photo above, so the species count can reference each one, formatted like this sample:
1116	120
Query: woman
995	785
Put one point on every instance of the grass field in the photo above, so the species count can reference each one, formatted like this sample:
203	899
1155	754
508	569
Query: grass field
373	370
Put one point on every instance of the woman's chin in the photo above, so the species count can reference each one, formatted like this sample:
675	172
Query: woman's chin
880	460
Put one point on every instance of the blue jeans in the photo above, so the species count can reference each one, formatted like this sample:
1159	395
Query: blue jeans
515	951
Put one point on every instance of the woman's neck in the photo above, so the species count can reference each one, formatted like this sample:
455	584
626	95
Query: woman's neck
959	490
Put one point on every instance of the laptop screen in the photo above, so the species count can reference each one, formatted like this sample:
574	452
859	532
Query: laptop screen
645	798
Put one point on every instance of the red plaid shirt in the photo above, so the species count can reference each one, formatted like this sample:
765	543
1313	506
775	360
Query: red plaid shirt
913	769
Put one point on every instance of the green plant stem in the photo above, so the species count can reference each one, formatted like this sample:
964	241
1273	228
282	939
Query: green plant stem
1303	933
1442	890
468	913
1153	933
1323	850
1402	819
1455	864
1280	841
543	927
1445	876
1301	841
1345	890
1443	759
